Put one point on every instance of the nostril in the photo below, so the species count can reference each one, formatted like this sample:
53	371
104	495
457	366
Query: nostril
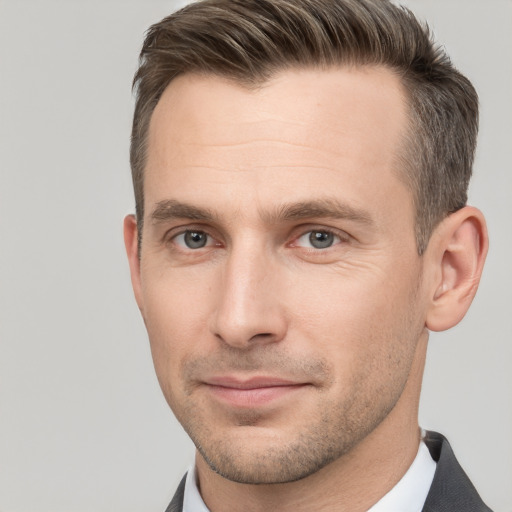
264	335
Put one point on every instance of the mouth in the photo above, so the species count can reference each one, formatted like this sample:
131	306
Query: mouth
254	392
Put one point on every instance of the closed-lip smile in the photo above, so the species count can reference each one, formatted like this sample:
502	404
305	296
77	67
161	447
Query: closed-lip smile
251	392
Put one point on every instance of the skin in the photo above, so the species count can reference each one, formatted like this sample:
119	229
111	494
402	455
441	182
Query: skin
255	175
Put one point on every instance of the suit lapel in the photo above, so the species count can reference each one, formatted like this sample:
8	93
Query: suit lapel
176	504
451	488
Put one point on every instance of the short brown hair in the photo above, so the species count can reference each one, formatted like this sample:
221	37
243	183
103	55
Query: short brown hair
249	41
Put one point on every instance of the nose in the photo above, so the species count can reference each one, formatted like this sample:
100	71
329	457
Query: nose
248	309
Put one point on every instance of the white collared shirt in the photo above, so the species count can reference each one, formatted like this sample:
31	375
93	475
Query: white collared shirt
408	495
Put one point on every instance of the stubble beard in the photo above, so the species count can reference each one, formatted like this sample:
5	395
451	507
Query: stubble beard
322	437
281	462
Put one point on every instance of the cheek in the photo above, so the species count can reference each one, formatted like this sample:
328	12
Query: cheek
347	301
361	323
176	312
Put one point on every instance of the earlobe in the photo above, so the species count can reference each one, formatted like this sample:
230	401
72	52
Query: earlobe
459	248
132	251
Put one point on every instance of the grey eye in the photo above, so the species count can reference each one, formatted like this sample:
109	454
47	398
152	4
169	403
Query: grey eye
195	239
321	239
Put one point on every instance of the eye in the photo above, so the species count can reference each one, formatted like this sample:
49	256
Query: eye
193	239
318	239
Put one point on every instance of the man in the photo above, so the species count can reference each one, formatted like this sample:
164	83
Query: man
300	171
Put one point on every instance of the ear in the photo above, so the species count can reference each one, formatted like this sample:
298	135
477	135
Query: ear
457	253
132	251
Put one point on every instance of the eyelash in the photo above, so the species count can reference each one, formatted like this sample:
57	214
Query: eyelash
195	231
342	237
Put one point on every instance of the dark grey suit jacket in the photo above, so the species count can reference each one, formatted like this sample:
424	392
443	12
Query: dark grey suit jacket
451	490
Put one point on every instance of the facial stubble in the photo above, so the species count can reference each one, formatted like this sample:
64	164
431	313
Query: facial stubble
324	435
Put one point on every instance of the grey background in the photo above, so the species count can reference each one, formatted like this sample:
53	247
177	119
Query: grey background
83	425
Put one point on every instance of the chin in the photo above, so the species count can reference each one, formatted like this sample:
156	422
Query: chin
269	459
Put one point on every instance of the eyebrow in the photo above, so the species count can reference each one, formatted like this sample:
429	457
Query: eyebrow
171	209
322	208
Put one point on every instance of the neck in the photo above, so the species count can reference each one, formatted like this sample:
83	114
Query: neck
354	482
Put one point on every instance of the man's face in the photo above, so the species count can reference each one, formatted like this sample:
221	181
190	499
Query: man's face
279	278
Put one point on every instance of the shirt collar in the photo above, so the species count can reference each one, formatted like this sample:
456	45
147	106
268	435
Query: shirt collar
192	501
410	493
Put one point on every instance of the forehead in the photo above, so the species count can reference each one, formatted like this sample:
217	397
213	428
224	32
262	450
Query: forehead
358	99
314	129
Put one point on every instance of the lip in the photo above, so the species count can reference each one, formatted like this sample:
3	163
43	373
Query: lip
253	392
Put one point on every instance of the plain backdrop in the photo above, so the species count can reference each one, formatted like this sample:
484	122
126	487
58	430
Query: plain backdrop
83	425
